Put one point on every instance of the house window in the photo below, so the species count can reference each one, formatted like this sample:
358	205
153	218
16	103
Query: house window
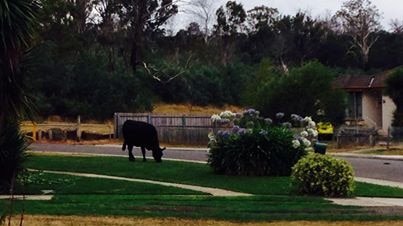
354	107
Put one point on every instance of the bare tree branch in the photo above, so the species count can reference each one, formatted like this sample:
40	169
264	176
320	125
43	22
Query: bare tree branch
159	74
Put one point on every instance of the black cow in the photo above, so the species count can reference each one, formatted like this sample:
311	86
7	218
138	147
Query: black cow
141	134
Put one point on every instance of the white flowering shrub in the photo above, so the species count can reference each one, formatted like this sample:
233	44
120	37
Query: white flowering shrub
323	175
258	146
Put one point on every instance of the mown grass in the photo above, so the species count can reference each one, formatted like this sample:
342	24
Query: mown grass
185	173
383	151
254	208
36	182
273	199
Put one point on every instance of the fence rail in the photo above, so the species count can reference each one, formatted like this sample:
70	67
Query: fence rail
63	131
173	129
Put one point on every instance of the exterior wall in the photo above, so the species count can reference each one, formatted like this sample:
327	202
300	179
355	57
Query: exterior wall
372	108
388	107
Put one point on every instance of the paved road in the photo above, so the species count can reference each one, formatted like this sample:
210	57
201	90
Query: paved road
383	169
170	153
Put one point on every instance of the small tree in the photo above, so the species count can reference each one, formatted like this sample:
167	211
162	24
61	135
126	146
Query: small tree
394	89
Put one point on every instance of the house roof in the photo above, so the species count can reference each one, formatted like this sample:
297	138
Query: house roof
376	81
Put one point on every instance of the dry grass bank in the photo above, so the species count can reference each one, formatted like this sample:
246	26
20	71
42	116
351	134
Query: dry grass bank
188	109
126	221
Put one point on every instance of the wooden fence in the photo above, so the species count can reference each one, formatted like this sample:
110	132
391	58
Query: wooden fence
186	130
67	131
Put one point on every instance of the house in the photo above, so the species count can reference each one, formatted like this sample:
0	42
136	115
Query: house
367	104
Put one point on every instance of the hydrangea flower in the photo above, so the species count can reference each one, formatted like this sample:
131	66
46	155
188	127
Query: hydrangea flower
215	118
287	125
296	144
227	115
312	124
296	118
304	134
251	112
280	115
306	142
268	121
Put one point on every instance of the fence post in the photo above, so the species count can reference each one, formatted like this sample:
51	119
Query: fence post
149	119
78	128
116	124
34	129
183	121
110	130
388	139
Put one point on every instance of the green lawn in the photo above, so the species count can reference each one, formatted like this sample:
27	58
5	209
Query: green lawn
273	199
185	173
74	185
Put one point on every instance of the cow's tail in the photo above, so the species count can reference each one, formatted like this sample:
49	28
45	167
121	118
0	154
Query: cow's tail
124	146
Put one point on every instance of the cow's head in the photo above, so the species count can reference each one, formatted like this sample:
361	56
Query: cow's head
157	154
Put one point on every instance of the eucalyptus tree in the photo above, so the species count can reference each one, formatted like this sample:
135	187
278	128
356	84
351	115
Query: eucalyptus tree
260	18
140	20
202	12
230	23
360	20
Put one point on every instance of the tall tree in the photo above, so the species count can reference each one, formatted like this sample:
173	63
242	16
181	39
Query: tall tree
261	17
360	20
203	12
230	22
140	18
297	39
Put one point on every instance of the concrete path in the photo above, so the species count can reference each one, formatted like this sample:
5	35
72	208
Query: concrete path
367	202
211	191
28	197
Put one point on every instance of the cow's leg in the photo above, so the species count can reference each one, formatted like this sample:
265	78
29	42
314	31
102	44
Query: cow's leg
124	146
131	156
143	151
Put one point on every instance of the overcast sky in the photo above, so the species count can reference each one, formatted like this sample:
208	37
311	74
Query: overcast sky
390	9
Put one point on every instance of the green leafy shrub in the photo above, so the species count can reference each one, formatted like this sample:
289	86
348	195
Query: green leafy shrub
12	153
394	84
252	145
323	175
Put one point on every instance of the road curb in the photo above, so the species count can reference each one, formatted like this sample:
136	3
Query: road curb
365	156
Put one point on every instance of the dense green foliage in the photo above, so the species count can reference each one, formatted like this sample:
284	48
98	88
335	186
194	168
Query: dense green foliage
81	84
312	94
394	84
323	175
